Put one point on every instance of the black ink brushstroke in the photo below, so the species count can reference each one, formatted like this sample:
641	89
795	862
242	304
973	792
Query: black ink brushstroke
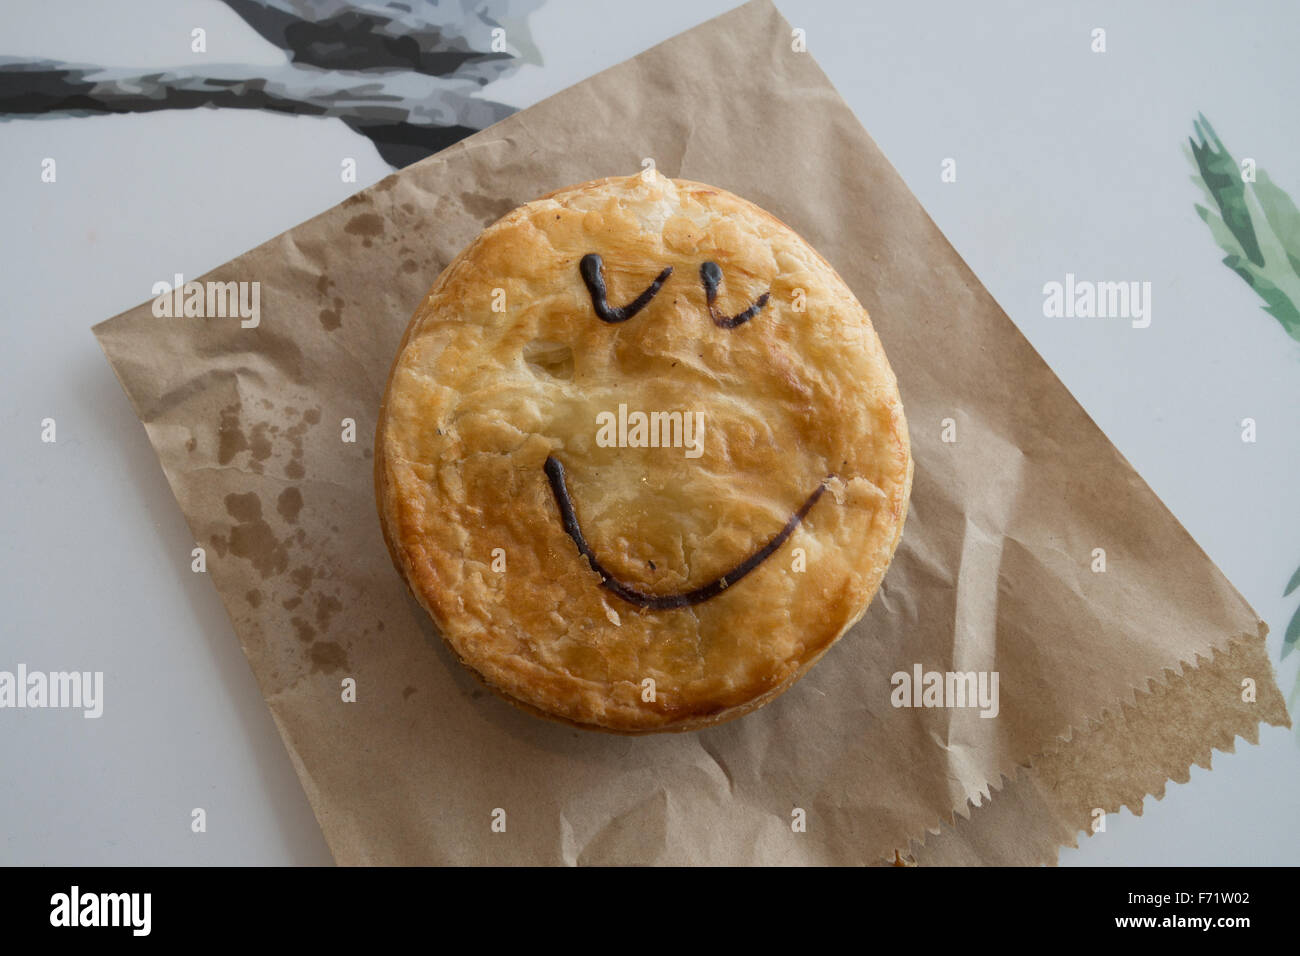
711	276
661	602
592	269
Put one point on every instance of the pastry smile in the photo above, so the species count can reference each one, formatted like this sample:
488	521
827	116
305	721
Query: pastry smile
660	602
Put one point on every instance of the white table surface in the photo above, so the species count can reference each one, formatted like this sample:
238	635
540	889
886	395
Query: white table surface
1068	161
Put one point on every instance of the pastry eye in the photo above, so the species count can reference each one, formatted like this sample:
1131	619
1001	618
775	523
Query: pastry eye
593	274
711	277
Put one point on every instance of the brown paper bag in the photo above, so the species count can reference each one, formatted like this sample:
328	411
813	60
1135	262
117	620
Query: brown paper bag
1117	762
993	574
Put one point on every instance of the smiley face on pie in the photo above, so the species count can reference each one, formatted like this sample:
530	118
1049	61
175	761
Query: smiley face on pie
641	456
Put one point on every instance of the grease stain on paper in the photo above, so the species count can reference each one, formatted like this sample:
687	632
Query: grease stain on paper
331	319
328	657
289	504
235	437
231	439
327	605
368	225
485	207
252	538
259	446
301	577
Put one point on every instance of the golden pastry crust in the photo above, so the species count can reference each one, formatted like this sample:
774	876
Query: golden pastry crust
506	365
